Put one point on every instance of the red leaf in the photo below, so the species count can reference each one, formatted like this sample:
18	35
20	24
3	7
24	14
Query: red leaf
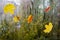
47	9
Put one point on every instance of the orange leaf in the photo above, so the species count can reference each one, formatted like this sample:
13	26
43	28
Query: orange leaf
30	18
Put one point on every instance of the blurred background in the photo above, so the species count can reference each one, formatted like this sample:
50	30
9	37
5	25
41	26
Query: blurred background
35	7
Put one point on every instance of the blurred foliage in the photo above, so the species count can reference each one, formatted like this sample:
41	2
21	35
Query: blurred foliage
22	30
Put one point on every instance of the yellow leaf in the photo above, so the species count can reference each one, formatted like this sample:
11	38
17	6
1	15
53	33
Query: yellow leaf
16	19
48	28
9	8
